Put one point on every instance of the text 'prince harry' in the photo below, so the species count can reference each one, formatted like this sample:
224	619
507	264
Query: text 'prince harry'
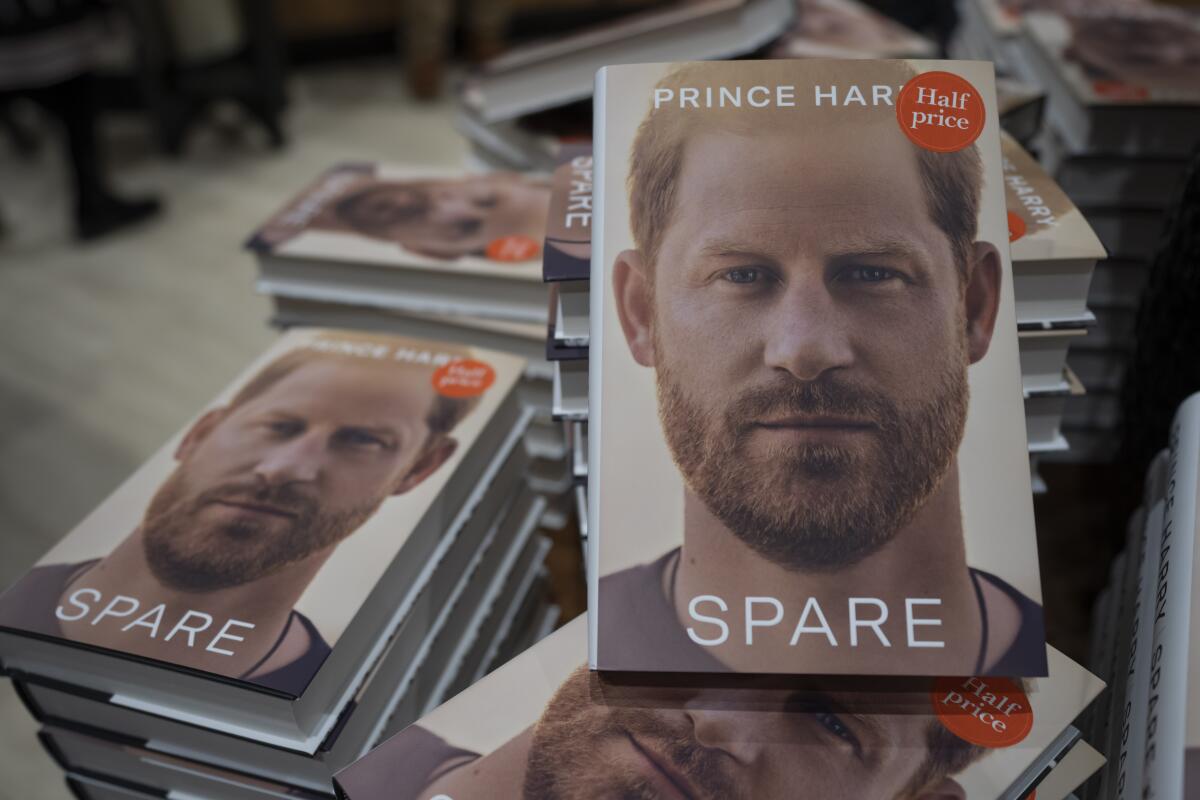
809	289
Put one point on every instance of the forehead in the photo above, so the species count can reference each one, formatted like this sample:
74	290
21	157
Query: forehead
351	390
776	187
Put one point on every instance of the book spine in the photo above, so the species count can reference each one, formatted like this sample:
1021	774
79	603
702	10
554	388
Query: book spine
1126	767
1167	706
596	341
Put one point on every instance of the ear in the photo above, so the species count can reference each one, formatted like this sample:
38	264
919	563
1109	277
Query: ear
946	789
631	288
982	298
199	431
434	456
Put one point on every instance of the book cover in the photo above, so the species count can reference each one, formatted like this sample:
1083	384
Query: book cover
847	29
403	217
1123	54
568	250
553	728
807	417
246	545
1043	223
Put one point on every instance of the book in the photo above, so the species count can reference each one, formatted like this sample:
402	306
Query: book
1116	75
847	29
554	729
409	678
1054	249
1044	411
249	575
568	249
1096	180
551	73
411	240
765	470
1172	732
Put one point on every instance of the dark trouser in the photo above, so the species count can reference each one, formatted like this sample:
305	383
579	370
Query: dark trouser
72	101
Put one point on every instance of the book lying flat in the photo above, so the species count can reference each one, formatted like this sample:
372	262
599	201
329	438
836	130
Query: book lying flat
806	424
545	725
1121	78
847	29
568	248
1054	249
249	575
411	239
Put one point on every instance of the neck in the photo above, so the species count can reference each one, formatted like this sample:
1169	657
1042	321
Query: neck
188	628
926	560
500	773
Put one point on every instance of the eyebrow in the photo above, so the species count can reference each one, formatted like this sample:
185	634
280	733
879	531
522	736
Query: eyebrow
877	246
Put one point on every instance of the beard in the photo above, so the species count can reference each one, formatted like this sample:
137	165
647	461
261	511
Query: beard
582	750
188	554
816	507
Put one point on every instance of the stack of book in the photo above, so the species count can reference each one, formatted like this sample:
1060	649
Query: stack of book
519	109
1122	114
1143	638
450	256
795	521
343	539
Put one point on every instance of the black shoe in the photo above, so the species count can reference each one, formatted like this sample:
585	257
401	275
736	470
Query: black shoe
113	214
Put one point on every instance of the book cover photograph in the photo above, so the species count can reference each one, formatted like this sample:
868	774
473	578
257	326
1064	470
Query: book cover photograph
847	29
807	425
245	547
385	215
1123	53
568	251
553	728
1043	223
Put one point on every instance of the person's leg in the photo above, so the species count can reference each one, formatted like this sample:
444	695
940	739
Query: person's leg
427	25
97	210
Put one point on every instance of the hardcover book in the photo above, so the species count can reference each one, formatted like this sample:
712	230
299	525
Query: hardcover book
412	240
847	29
807	434
249	574
1054	249
1122	79
553	728
568	249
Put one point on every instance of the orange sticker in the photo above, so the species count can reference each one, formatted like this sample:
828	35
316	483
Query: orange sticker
512	248
1118	90
940	111
1016	227
464	378
989	712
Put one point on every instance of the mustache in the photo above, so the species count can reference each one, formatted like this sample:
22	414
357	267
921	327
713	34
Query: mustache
824	396
285	497
675	743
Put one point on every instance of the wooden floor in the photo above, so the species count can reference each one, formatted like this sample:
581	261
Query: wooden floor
107	349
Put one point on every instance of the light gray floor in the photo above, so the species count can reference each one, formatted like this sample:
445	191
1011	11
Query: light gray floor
106	350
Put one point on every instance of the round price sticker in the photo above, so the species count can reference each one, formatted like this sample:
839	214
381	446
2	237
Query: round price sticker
940	111
464	378
989	712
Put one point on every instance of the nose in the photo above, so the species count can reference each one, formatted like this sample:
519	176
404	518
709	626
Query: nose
453	205
806	332
297	460
728	730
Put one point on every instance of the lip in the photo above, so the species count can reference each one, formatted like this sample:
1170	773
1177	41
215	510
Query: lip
256	508
664	773
815	422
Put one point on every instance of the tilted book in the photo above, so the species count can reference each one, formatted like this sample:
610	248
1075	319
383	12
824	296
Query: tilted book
247	577
411	239
545	726
807	434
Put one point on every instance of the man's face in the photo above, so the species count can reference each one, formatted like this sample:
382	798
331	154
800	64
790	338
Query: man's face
1139	52
286	474
809	340
448	219
786	746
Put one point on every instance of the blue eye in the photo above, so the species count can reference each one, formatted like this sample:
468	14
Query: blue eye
742	275
361	439
285	427
872	274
